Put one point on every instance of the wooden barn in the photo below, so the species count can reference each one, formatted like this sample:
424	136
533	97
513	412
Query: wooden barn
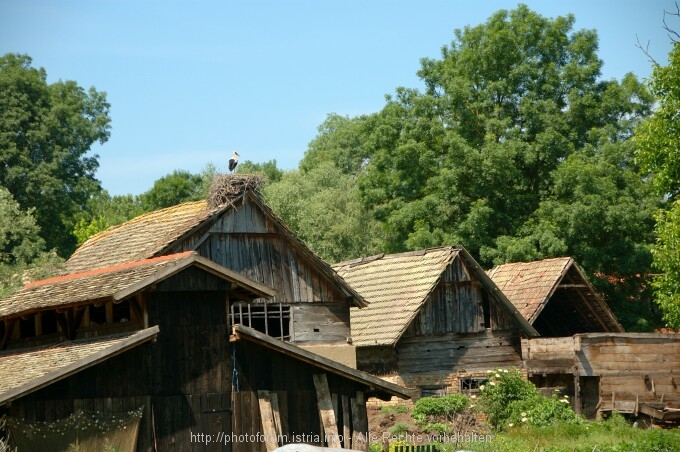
626	372
311	307
555	296
137	356
435	320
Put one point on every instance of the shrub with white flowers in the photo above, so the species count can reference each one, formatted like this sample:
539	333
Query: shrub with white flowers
509	400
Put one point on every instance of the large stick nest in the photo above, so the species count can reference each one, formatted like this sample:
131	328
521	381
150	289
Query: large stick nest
225	187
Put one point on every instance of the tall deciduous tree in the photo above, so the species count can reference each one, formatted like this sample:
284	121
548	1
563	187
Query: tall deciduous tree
323	207
46	131
22	250
473	158
658	139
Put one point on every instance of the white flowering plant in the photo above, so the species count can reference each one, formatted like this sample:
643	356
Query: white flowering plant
510	400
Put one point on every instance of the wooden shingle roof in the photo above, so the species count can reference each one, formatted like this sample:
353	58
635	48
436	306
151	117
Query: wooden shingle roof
530	286
25	371
396	286
116	283
157	233
140	238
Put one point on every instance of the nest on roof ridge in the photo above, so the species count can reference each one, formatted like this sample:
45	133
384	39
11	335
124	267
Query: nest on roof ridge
225	187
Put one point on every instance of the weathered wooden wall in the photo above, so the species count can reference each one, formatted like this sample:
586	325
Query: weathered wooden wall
460	331
117	385
550	355
440	361
459	304
630	366
191	368
248	241
260	369
379	360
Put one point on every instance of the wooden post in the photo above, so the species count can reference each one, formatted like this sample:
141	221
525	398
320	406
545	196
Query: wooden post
268	423
359	422
346	430
577	394
323	395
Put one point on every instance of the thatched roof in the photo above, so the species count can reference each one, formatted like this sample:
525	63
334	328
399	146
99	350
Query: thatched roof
397	285
25	371
531	286
116	283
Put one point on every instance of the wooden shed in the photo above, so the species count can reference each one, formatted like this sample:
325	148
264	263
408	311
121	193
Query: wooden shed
435	320
311	305
138	354
555	296
602	372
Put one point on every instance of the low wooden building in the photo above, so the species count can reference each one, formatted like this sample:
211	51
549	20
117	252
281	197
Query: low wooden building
311	307
555	296
137	355
602	372
435	320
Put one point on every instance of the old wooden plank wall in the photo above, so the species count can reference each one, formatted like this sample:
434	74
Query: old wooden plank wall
632	365
292	382
320	322
93	390
248	241
452	353
191	368
551	355
459	304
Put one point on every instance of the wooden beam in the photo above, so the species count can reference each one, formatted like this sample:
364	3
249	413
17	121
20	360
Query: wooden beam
326	412
358	405
346	430
7	334
268	422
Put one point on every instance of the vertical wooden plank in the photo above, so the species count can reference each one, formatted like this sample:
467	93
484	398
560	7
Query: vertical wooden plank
359	422
346	431
326	412
267	420
276	412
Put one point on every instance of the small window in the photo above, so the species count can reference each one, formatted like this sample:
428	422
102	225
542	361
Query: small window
48	320
27	327
121	312
97	315
472	385
268	318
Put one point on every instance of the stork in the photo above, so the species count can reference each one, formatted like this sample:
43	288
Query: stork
233	161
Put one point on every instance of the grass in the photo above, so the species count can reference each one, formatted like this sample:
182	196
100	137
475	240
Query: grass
614	435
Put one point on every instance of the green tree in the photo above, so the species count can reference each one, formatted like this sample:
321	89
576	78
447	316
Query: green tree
22	250
658	140
268	169
472	158
173	189
322	206
46	131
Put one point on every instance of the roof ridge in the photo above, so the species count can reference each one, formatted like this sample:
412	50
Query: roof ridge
368	259
113	268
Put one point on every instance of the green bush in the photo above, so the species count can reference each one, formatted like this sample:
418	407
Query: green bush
504	387
509	400
434	409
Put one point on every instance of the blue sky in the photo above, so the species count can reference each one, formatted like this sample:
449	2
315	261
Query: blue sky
191	81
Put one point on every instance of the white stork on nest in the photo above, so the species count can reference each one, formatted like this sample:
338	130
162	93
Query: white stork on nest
233	161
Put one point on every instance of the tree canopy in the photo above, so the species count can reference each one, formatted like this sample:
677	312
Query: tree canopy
658	139
46	132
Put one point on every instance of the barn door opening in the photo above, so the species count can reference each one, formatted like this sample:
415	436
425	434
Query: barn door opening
590	396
